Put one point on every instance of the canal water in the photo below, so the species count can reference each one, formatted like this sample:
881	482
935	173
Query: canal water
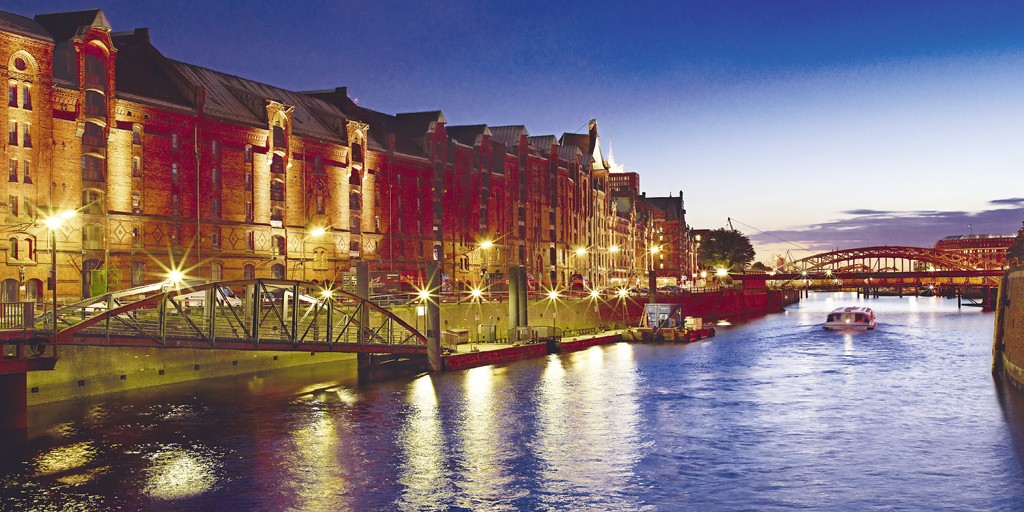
772	414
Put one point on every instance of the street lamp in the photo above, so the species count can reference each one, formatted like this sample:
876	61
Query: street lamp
314	233
53	223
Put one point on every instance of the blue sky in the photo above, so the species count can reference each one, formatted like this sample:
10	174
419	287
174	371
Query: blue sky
828	124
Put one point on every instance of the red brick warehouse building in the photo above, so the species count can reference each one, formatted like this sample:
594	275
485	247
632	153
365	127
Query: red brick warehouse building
168	163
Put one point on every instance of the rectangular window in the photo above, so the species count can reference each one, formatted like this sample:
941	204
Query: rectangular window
137	273
213	148
215	176
27	135
251	241
248	181
175	204
136	134
136	167
12	134
27	178
248	211
27	208
174	140
215	237
174	173
215	208
12	95
26	97
13	173
12	205
248	153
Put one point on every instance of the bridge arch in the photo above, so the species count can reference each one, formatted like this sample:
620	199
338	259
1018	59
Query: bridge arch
884	258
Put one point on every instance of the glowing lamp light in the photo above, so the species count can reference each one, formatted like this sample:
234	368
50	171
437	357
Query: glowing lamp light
486	244
703	274
423	294
656	249
327	293
722	272
317	232
613	248
175	277
622	293
476	293
594	293
580	251
553	295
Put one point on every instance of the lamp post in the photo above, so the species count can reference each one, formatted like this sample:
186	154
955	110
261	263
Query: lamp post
315	233
53	223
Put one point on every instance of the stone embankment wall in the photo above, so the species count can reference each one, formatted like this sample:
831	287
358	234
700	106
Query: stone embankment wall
1008	350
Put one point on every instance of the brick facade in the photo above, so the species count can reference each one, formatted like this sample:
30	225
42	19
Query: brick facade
172	165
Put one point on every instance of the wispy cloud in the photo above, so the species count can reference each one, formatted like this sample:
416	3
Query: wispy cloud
920	228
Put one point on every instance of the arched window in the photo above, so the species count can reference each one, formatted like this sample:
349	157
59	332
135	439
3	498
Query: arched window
354	201
320	259
277	271
277	190
136	134
13	250
248	152
34	290
248	271
279	140
9	290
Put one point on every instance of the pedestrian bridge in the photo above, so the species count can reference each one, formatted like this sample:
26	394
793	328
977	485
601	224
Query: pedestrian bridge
253	314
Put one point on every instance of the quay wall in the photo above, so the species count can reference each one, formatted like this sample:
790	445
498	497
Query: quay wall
86	371
1008	345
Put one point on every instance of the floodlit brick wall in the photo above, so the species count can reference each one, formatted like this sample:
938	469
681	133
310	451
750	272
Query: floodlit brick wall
1011	318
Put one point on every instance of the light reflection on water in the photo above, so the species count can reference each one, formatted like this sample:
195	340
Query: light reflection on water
773	413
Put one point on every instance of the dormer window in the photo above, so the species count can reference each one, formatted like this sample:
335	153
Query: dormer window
95	72
279	137
95	104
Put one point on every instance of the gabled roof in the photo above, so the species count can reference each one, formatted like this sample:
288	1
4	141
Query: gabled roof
142	71
569	153
542	142
509	135
418	123
245	101
10	22
468	134
67	25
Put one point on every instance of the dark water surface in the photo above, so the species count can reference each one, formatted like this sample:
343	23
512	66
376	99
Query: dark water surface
773	413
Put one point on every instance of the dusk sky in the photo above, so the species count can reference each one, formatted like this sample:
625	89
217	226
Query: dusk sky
825	124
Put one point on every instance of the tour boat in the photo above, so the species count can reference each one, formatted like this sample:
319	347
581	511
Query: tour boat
850	318
665	322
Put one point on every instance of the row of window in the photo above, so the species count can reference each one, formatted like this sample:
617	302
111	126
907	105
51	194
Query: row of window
17	207
13	88
26	134
13	171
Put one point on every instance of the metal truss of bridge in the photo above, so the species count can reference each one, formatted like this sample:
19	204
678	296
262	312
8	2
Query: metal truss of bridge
270	315
888	266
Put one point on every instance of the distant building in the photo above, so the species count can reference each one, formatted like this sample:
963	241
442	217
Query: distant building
989	248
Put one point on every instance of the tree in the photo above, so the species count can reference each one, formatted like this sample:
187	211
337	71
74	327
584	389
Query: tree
760	266
725	248
1015	254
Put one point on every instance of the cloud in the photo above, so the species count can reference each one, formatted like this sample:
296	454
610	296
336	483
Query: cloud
918	228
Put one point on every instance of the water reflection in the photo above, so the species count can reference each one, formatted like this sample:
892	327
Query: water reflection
484	474
423	474
588	437
178	472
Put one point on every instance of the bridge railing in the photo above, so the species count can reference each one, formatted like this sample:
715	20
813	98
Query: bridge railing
258	311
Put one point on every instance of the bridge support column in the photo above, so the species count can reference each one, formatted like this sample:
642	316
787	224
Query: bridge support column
652	287
959	298
434	316
524	297
363	292
13	402
513	296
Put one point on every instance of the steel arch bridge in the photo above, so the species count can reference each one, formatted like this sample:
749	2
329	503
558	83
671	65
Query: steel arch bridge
886	258
271	314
